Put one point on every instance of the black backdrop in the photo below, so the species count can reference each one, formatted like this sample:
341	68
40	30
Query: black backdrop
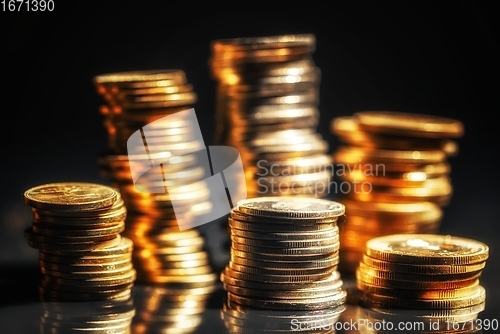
430	57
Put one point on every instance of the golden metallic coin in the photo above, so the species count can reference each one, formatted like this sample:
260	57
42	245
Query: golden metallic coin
478	296
420	294
378	226
290	207
267	42
358	155
409	124
423	269
330	301
418	210
192	280
372	280
397	276
427	249
70	196
108	281
138	76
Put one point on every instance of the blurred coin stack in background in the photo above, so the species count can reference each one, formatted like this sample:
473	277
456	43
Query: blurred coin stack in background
426	278
284	257
394	175
157	166
91	317
76	227
170	309
267	108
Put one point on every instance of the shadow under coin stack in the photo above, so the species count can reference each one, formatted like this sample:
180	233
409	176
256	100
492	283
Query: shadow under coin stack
76	227
284	257
91	317
426	279
158	104
267	108
395	175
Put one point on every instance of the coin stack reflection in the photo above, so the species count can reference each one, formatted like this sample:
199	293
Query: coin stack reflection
284	255
154	107
169	309
267	108
92	317
395	175
76	228
238	319
426	277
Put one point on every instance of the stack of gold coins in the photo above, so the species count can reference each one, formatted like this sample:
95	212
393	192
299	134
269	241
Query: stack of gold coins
76	227
238	319
169	309
91	317
284	254
267	108
154	161
437	275
395	175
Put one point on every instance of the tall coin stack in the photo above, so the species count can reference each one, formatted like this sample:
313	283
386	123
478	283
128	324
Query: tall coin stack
284	256
395	175
430	278
267	108
76	227
153	107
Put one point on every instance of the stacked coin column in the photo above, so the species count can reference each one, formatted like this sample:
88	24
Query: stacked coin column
394	175
284	257
153	160
267	108
430	280
76	227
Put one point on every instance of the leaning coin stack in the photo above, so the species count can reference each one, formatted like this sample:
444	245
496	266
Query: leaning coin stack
76	227
395	175
170	310
433	276
267	108
154	162
284	254
91	317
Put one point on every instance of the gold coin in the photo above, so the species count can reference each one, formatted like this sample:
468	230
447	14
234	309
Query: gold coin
423	269
415	211
358	155
478	296
70	196
266	42
420	294
290	207
398	276
427	249
372	280
138	76
409	124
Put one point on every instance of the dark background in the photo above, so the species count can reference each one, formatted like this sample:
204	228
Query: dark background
438	58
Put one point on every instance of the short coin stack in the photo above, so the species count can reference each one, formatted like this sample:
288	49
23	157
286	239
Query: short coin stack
267	108
154	107
395	175
284	254
435	274
76	227
91	317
